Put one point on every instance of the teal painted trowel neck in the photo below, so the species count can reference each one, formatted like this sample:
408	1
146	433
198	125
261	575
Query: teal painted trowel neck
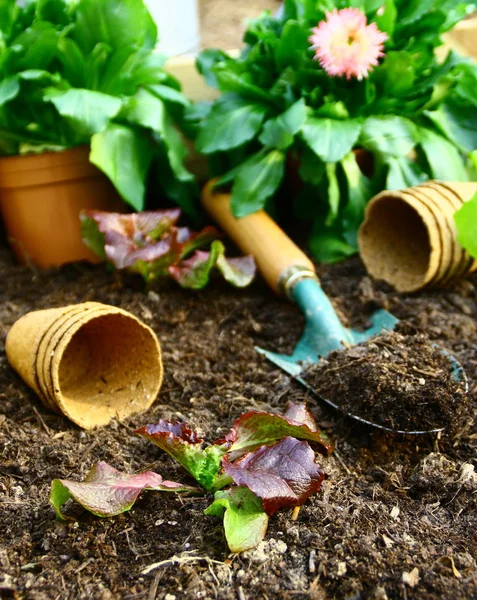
324	332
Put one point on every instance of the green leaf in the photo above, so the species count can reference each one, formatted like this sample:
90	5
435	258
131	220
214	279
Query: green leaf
291	48
125	23
403	173
280	131
241	84
466	222
237	271
312	169
328	244
444	159
231	122
147	110
206	62
184	446
194	273
8	12
385	18
124	155
414	10
92	236
168	94
458	123
54	11
359	193
88	112
388	135
331	139
9	89
259	178
396	75
73	61
245	521
35	47
333	193
96	64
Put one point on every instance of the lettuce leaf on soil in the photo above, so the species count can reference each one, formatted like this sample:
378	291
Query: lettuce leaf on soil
194	272
466	221
106	492
254	429
281	475
150	243
185	446
245	521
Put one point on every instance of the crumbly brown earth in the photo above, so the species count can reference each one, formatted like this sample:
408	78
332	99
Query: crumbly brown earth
396	516
399	381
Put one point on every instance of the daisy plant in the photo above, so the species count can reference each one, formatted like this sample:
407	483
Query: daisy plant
333	101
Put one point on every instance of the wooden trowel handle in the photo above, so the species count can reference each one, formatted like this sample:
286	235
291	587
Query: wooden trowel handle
257	234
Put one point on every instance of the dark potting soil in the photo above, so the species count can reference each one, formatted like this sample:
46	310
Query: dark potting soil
401	382
396	516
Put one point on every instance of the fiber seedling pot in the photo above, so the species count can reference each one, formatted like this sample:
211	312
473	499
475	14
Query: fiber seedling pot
41	196
91	362
409	237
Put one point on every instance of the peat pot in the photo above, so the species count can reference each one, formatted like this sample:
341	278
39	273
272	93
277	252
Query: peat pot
41	196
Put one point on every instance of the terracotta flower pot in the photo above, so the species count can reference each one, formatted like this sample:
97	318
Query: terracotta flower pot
41	196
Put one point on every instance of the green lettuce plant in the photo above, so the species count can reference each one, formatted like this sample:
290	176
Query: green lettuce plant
78	72
287	126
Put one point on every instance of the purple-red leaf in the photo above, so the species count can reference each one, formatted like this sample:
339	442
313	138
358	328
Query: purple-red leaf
281	475
190	240
170	432
149	243
194	272
203	463
106	491
254	429
300	414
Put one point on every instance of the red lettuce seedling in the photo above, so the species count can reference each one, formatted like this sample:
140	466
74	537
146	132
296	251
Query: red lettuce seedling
245	522
150	243
180	442
106	491
277	471
281	475
254	429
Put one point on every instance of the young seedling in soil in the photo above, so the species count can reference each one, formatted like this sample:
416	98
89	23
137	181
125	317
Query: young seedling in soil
150	243
401	382
262	455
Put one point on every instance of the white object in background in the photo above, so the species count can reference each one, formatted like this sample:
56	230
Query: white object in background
178	25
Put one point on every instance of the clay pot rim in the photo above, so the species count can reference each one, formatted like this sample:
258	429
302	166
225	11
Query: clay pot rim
19	163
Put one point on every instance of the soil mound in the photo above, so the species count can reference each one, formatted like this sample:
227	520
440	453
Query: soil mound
401	382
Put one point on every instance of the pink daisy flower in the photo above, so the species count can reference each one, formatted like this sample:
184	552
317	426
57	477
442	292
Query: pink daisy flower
345	45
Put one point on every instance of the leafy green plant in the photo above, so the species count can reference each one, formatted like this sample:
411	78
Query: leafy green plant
287	125
85	72
149	243
262	455
466	221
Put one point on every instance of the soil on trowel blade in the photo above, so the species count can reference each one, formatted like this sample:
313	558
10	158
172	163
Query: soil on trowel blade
401	382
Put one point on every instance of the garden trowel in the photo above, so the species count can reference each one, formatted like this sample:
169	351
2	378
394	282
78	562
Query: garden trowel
288	271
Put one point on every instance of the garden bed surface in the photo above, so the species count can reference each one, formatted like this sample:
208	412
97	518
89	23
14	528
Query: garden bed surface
396	516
